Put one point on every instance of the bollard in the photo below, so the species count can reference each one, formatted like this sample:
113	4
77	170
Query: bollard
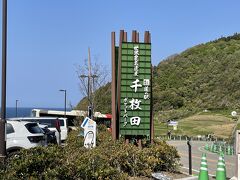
190	155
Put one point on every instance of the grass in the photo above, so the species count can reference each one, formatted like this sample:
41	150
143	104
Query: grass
200	124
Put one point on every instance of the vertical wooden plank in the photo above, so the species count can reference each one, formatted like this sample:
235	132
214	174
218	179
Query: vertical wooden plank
152	115
137	37
113	124
125	37
147	39
134	32
146	36
125	40
119	80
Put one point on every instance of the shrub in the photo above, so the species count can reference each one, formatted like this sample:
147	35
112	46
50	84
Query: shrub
109	160
36	163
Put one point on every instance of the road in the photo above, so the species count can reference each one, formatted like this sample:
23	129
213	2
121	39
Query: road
197	150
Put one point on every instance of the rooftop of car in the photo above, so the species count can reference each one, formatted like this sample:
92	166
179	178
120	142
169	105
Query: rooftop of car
26	118
21	122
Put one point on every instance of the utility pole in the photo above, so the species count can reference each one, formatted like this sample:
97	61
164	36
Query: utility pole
90	86
4	69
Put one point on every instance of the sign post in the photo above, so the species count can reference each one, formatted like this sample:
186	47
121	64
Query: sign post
89	127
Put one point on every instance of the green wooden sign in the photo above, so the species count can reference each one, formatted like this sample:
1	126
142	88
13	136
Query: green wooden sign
135	89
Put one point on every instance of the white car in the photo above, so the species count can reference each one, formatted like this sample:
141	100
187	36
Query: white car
22	135
50	122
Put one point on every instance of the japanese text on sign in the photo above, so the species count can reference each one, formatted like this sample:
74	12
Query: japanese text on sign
134	103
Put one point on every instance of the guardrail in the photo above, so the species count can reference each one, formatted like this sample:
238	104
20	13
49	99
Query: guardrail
193	138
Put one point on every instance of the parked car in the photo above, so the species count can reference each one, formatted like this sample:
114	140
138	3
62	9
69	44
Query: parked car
22	135
50	122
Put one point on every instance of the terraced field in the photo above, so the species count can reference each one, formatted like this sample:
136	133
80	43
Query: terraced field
218	125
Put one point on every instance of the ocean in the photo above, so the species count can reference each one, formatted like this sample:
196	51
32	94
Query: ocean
25	111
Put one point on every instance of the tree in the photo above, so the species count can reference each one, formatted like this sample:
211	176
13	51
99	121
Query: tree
91	77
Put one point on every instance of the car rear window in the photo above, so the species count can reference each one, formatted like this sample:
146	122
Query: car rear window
33	128
50	122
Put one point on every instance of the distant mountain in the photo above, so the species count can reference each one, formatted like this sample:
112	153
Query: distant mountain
206	76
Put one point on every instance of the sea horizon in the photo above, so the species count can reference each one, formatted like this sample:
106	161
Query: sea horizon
26	111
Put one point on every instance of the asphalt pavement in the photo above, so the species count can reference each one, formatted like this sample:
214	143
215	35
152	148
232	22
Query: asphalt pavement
197	150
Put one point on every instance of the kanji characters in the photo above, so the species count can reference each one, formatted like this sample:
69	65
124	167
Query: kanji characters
135	104
136	85
136	59
135	121
146	83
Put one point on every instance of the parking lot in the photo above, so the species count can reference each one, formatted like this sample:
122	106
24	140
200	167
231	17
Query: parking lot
197	150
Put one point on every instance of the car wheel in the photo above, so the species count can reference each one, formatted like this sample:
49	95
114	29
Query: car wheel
13	154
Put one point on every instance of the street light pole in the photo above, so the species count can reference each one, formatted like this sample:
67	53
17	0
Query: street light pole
17	107
65	100
90	94
88	86
4	69
93	91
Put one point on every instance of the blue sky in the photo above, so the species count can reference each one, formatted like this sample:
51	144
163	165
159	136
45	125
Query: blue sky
47	38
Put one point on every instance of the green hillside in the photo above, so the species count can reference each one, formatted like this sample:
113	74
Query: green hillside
202	77
205	76
102	100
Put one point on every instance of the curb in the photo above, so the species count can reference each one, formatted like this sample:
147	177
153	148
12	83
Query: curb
188	178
